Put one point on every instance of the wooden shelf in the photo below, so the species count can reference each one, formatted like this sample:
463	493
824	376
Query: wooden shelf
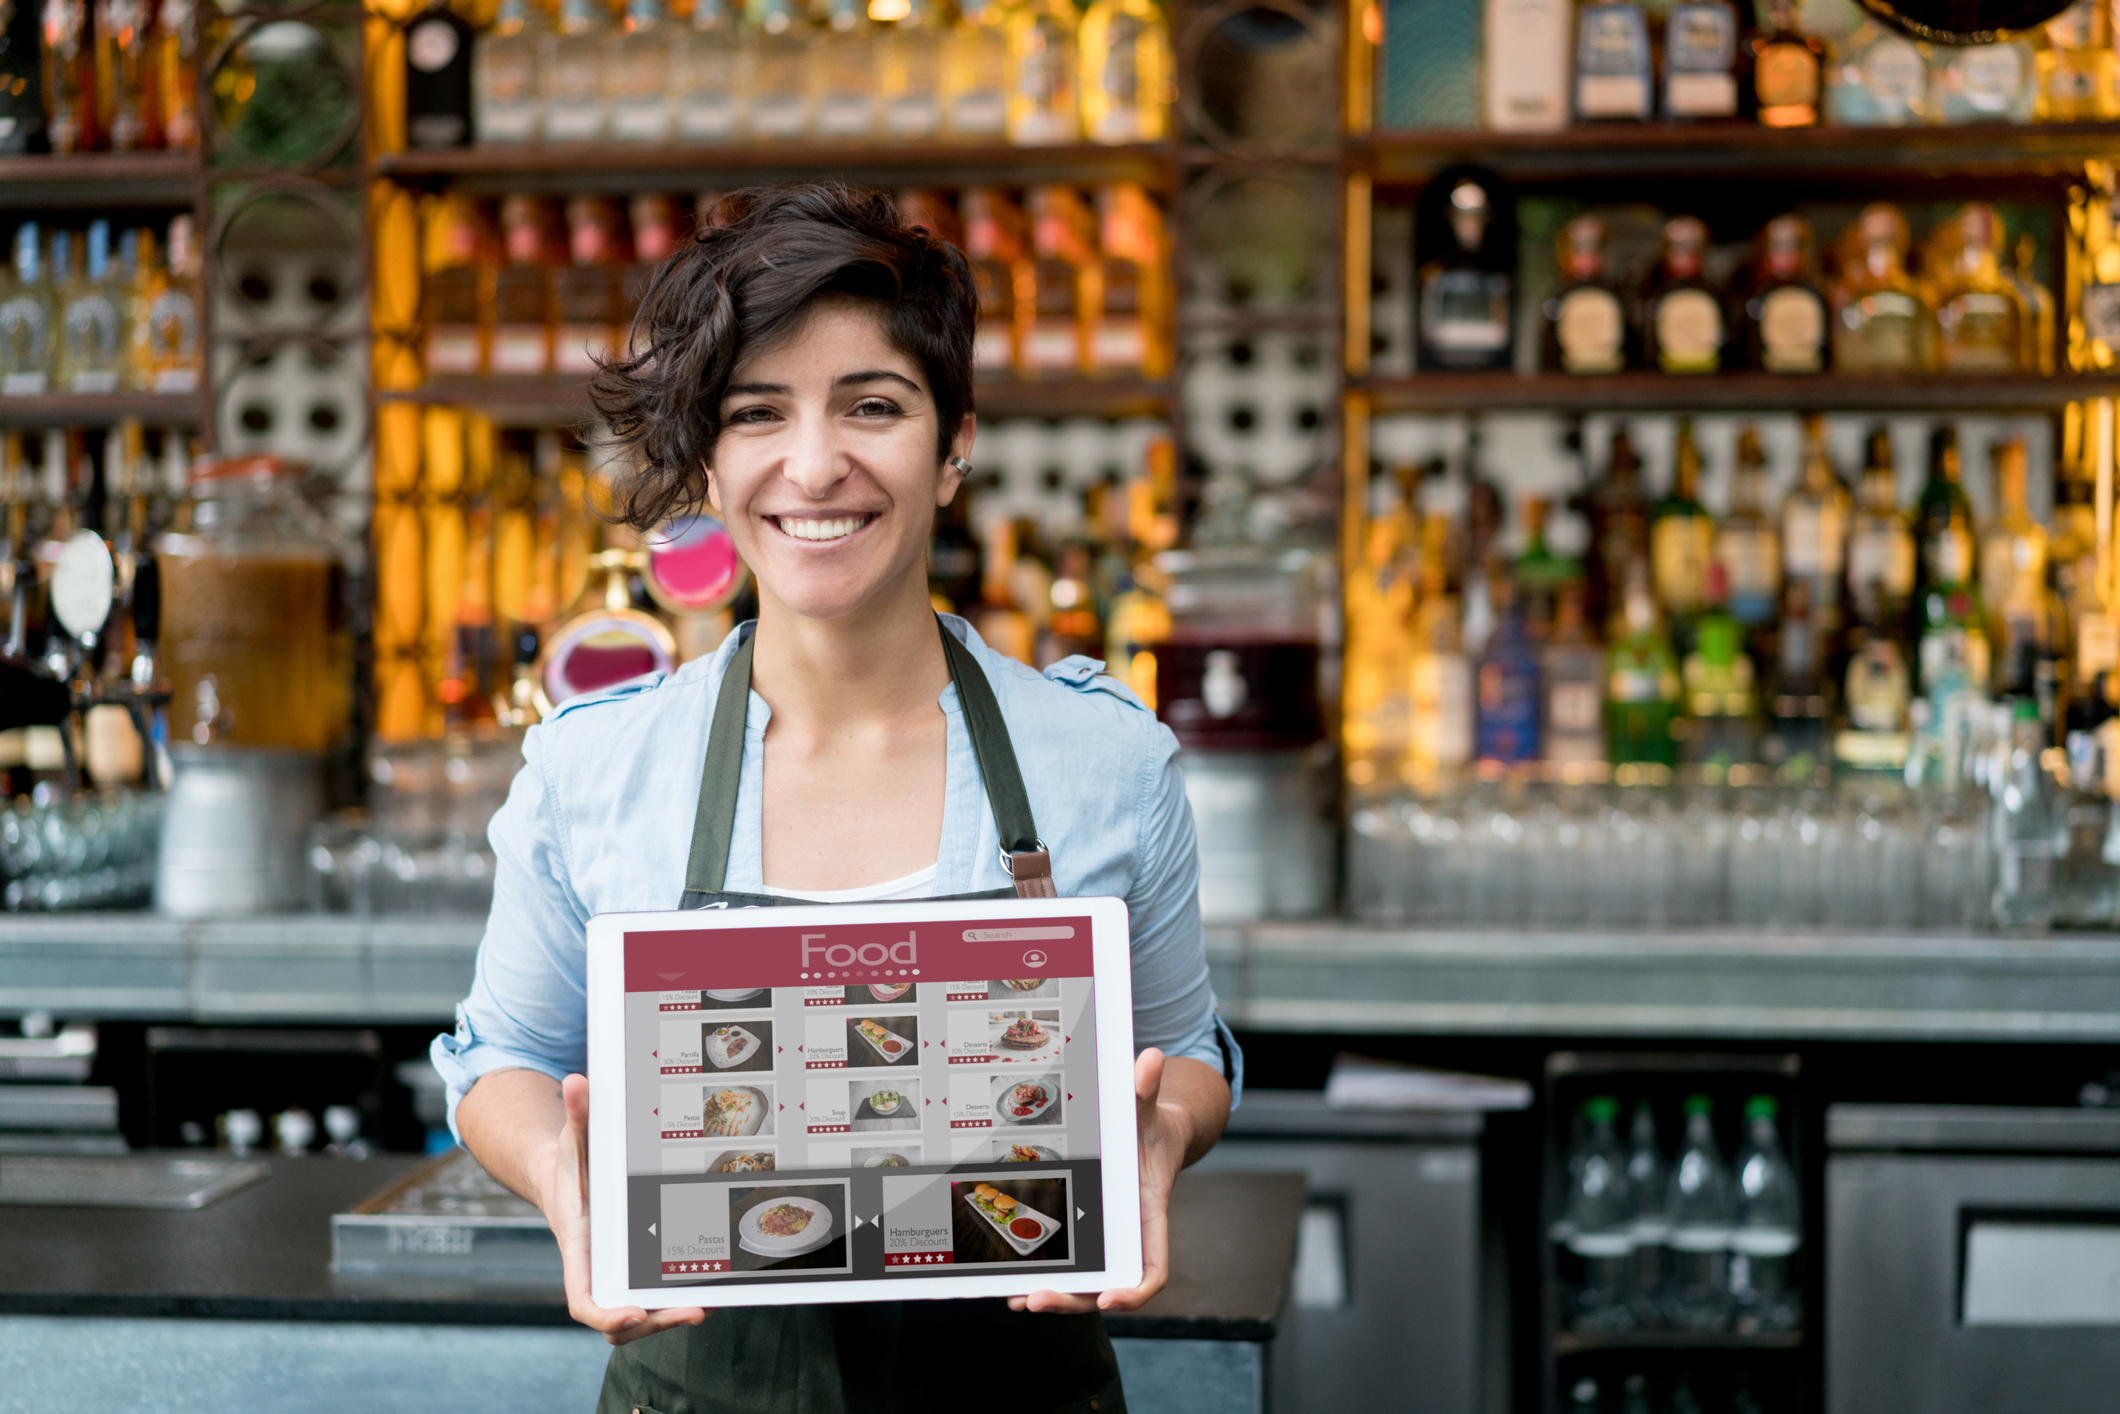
93	179
1732	392
564	401
1743	151
621	167
1576	1343
99	409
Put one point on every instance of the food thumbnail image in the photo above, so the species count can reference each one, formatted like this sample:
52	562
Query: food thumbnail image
878	1105
887	1157
793	1227
1008	1151
1024	1034
1008	1220
743	1161
1023	989
907	992
736	1111
1027	1102
882	1040
738	1045
737	999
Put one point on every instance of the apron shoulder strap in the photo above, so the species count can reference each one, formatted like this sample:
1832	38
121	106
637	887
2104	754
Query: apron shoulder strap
1023	854
715	824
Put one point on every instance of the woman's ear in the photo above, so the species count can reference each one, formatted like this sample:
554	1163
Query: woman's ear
960	451
713	489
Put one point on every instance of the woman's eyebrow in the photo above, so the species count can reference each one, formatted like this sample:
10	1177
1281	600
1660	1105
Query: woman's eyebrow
755	390
875	375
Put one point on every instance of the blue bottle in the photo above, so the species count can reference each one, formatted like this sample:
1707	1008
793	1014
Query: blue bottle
1506	687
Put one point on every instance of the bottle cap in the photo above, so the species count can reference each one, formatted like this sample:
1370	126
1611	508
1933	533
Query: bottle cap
1600	1109
1699	1105
1762	1107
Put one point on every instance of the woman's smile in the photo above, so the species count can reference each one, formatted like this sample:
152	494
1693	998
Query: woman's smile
823	529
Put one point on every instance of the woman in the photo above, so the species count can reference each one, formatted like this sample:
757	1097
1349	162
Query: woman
804	366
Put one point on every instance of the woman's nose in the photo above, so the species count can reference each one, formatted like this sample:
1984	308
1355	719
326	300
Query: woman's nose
815	464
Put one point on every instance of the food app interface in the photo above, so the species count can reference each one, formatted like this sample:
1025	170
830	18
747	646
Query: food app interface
834	1103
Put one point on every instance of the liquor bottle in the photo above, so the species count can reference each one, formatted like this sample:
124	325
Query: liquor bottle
1682	539
975	73
1814	539
1747	543
1128	334
1043	61
1126	71
1984	83
1586	323
654	222
1572	674
172	351
1506	685
909	71
92	343
1049	293
1642	685
1880	547
1439	696
439	50
1465	246
1524	66
1683	319
776	55
1953	647
2013	585
1981	318
504	75
636	74
176	72
1722	694
1611	61
1785	315
843	74
26	318
522	309
586	292
21	79
1618	511
1880	322
2079	77
1878	79
1700	58
69	78
124	60
2038	301
993	246
1540	574
570	65
1786	66
449	292
705	75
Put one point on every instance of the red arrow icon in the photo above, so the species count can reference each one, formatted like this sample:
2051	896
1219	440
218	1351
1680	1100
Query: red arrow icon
799	1106
1071	1096
656	1054
655	1112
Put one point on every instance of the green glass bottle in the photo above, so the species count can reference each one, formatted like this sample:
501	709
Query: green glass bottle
1642	686
1950	629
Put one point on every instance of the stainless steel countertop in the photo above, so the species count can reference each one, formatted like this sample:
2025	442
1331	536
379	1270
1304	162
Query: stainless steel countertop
1289	977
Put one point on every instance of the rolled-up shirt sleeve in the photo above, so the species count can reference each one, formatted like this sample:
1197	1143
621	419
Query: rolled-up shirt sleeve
528	1004
1174	1003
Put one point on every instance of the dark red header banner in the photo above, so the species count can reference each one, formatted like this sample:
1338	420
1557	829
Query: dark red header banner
688	959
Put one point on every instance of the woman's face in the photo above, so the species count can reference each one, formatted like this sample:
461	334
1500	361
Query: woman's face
826	471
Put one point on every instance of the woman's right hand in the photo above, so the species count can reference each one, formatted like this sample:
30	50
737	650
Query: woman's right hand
566	1208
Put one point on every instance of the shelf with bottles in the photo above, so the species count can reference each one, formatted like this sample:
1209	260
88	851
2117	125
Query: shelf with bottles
99	179
94	322
99	409
1642	391
1579	1343
563	401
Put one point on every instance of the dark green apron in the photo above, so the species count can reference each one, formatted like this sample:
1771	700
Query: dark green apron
882	1357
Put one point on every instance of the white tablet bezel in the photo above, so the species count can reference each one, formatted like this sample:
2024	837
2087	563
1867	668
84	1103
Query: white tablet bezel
1111	969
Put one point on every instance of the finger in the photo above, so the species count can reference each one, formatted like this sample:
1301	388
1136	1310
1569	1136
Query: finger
656	1323
1059	1302
1148	1080
574	1093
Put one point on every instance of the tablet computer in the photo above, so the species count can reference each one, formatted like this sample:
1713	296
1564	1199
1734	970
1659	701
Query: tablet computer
861	1102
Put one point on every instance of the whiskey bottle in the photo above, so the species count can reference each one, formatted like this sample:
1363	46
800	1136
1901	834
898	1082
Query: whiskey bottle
176	74
843	71
1984	83
705	75
522	309
91	342
505	81
636	74
777	59
449	292
438	59
1814	541
1878	79
1785	315
570	65
21	78
654	222
1524	69
1953	648
69	77
1880	322
1132	310
1786	68
1051	308
175	350
1126	71
2079	77
586	291
1539	574
1683	318
1439	687
993	246
1586	324
1642	684
1572	679
909	71
1043	62
1980	315
1611	61
1747	543
975	74
124	60
26	318
2038	302
1700	57
2013	585
1880	547
1465	246
1682	539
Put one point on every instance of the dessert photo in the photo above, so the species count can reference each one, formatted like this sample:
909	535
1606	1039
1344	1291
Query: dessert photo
796	1227
1023	989
1027	1102
738	1045
1025	1035
907	992
1008	1151
881	1106
1008	1220
882	1040
737	999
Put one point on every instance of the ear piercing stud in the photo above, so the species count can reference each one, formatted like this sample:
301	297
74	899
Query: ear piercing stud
964	468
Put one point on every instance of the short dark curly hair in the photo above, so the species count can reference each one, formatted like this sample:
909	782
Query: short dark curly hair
745	280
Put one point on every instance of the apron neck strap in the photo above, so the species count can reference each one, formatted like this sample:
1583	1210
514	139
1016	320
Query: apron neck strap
1023	854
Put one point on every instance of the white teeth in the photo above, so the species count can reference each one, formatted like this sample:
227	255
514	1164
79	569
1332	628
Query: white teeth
822	529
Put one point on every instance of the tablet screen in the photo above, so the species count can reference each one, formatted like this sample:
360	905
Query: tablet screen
835	1103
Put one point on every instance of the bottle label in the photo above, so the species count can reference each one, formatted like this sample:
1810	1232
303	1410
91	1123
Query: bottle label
176	380
581	348
1612	95
1813	539
1951	556
779	115
1894	76
431	45
1441	705
1700	39
641	120
993	350
1052	347
707	117
1590	329
2101	313
1465	312
1118	124
1792	330
1763	1242
2097	645
1878	689
978	112
1991	77
507	122
1575	708
1881	562
1118	344
1700	95
1689	332
1525	73
17	385
1636	683
1786	76
1678	558
1752	564
95	380
845	115
520	350
913	115
573	122
2076	27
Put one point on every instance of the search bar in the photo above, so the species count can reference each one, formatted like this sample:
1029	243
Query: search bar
1016	935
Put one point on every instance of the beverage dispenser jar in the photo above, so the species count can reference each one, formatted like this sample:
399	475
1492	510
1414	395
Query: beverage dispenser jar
258	651
1237	681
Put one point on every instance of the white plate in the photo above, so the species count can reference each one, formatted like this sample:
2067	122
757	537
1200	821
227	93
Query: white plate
741	994
753	1119
905	1047
891	1113
816	1235
718	1056
1044	1154
876	1161
895	989
1020	1052
1024	1245
1006	1110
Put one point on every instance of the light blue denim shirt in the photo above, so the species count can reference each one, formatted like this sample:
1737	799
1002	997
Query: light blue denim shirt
599	820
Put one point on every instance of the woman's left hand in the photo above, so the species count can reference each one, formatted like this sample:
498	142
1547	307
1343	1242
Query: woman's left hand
1169	1124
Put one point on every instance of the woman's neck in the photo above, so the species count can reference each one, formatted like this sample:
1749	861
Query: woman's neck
881	661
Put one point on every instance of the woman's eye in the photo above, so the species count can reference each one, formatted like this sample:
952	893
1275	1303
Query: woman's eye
876	407
750	414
